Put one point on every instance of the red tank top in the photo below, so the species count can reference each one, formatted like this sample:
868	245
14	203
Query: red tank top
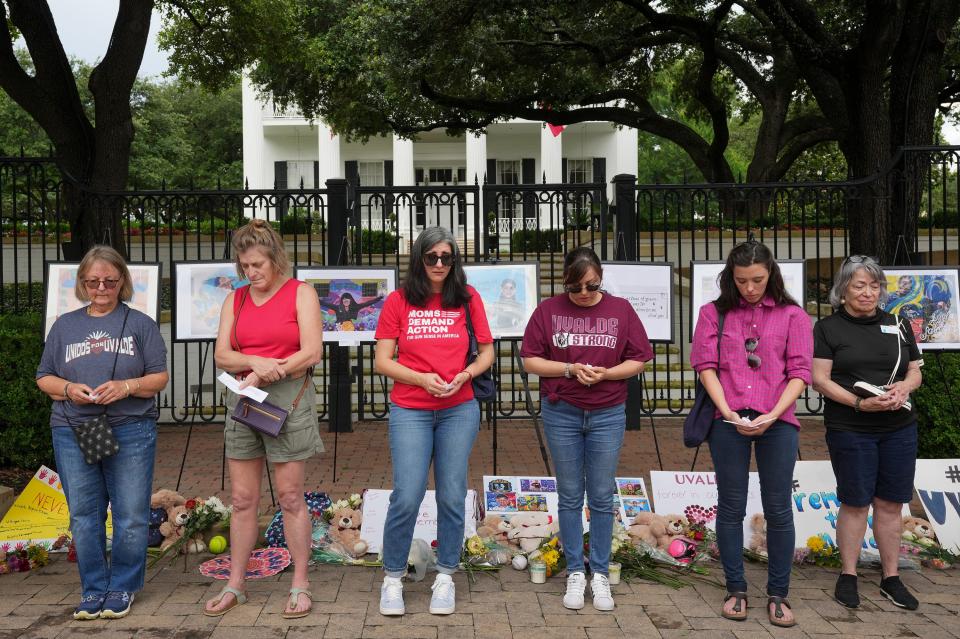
269	330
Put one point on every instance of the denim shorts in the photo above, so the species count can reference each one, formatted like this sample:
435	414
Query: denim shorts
869	465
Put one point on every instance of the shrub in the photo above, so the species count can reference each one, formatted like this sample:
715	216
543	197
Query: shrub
937	408
21	298
534	241
24	410
291	224
377	242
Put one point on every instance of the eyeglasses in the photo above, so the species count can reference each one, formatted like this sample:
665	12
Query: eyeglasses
95	284
753	360
431	259
858	259
576	288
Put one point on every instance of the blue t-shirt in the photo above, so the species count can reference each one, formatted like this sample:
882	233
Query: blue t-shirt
81	348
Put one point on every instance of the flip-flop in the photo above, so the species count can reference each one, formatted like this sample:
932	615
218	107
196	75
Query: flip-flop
292	603
776	617
239	598
739	612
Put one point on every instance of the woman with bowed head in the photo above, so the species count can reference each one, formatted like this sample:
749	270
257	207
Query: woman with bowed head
872	438
584	344
106	359
433	414
271	337
764	364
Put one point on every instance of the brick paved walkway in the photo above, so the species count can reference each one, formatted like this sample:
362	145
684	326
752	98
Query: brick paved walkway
37	604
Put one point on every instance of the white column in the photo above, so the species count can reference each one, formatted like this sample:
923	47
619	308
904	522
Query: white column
551	164
253	146
476	152
328	145
403	175
625	160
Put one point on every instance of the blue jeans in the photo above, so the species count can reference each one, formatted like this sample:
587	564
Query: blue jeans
418	437
125	481
776	451
585	447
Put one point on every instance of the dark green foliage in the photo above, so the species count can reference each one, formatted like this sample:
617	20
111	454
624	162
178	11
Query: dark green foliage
294	225
377	242
938	405
22	297
24	410
534	241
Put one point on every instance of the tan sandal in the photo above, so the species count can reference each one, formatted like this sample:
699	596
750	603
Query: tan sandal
292	603
776	617
239	598
739	611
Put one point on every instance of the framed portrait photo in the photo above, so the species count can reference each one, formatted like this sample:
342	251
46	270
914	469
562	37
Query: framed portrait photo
199	288
926	298
351	299
510	293
704	286
60	280
648	286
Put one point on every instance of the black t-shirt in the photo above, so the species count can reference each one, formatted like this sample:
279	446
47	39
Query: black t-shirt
865	349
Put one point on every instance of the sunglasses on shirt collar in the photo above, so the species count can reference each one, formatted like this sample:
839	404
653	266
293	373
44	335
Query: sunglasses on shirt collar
750	344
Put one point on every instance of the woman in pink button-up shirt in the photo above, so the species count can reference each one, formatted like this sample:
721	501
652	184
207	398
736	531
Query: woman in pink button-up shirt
765	357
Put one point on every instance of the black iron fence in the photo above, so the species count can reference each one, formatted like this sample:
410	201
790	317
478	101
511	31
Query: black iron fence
355	224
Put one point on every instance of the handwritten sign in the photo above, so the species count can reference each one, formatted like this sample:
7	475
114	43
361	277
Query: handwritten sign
648	286
376	502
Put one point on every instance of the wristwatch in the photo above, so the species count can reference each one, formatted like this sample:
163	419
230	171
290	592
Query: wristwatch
856	404
566	370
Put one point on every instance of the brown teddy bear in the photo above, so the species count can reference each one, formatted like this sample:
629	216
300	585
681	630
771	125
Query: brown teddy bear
919	531
172	530
345	529
675	526
496	529
647	528
758	538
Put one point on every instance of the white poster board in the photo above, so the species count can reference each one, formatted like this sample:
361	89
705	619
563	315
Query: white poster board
507	495
510	293
351	299
648	286
376	502
927	298
704	287
815	506
60	296
676	491
937	481
199	288
631	498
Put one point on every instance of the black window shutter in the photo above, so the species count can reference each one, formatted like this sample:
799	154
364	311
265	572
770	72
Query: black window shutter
563	171
388	172
316	174
599	169
528	171
280	174
491	171
351	171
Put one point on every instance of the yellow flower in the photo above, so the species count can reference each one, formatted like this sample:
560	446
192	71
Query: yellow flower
815	544
475	546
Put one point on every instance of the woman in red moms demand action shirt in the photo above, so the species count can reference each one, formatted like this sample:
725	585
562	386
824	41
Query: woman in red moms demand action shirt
433	415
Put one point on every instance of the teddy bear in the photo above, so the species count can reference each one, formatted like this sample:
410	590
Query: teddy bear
674	526
172	530
496	529
531	529
758	538
919	531
345	529
647	528
160	501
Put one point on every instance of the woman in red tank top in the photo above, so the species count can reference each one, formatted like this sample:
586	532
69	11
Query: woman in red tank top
271	337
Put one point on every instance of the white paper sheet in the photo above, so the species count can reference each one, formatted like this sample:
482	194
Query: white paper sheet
252	392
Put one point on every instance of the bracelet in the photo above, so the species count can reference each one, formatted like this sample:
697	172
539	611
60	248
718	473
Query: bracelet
566	370
65	393
127	386
139	385
468	373
856	404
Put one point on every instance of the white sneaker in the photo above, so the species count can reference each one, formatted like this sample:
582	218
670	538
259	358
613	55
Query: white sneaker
602	597
391	597
576	584
444	598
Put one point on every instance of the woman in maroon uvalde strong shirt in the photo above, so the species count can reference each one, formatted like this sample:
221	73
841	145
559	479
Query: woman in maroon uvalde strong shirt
584	345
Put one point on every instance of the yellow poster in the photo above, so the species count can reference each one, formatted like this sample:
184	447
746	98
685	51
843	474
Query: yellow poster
39	515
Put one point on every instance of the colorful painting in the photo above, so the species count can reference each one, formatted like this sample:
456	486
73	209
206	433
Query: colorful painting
538	484
350	300
927	299
501	502
510	293
61	279
532	503
199	291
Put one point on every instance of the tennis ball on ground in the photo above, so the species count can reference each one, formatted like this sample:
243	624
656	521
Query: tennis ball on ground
218	544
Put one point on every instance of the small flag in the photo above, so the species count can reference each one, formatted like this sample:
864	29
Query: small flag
556	129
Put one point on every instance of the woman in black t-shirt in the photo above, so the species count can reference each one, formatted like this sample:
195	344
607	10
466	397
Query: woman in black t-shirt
872	438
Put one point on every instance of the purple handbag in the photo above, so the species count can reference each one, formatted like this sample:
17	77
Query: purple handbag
699	421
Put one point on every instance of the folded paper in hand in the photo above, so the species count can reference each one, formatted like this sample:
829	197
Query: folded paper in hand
252	392
866	390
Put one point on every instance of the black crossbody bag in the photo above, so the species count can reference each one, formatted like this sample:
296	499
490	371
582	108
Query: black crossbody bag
484	388
699	421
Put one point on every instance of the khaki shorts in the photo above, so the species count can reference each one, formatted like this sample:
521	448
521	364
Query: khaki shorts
298	439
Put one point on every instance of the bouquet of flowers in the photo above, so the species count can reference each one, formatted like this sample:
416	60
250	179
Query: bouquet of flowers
23	557
822	552
551	554
482	555
203	515
329	543
929	552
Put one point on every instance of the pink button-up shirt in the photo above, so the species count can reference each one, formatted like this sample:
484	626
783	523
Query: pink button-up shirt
785	348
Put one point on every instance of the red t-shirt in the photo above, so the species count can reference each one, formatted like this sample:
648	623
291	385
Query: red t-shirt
431	339
605	334
269	330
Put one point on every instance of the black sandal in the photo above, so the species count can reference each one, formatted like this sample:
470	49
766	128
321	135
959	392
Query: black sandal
776	617
739	612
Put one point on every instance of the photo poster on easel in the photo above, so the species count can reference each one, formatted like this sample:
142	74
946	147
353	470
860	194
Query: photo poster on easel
60	297
507	495
351	299
199	289
648	286
816	506
510	293
679	492
937	482
705	287
927	298
376	502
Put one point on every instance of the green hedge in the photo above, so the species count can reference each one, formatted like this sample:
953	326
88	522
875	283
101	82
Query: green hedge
534	241
938	407
372	241
22	297
24	411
